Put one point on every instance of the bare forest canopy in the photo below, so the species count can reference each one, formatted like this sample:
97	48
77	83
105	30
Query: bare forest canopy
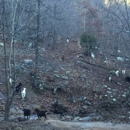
64	18
114	1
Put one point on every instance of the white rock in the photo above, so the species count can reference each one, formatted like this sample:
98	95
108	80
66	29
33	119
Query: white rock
28	61
1	44
123	72
92	55
117	73
120	59
119	51
67	40
110	78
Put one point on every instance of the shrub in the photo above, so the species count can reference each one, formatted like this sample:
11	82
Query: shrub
88	41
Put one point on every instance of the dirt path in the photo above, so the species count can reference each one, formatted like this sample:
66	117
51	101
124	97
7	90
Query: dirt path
87	125
57	124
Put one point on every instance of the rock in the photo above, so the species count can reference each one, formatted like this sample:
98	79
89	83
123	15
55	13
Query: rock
73	99
62	68
87	103
13	111
68	72
128	104
18	128
85	107
1	118
114	99
124	95
121	116
105	86
80	99
109	92
120	58
2	107
109	88
76	118
85	118
97	118
65	77
20	68
97	90
56	71
84	87
56	75
2	96
80	55
83	76
28	61
30	44
88	83
42	49
91	118
66	82
68	118
41	87
19	112
1	44
3	102
84	98
119	83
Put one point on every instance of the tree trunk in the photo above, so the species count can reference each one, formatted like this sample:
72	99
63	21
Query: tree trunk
54	31
35	82
7	110
7	63
6	114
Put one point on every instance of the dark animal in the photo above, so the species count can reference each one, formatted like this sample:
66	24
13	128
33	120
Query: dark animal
26	112
55	111
55	104
55	90
40	113
83	112
18	88
127	79
58	108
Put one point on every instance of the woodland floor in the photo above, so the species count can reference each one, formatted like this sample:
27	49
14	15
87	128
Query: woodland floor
61	125
64	58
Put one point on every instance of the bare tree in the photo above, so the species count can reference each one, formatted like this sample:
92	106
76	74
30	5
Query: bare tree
117	25
11	24
35	82
8	62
